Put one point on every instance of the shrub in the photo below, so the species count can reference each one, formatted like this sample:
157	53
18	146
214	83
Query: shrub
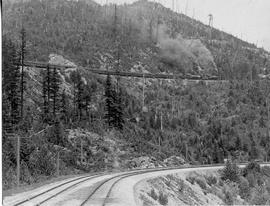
252	167
220	183
162	199
153	194
259	197
181	185
251	180
230	172
145	200
42	161
265	171
267	186
244	190
211	180
191	179
201	183
168	183
228	196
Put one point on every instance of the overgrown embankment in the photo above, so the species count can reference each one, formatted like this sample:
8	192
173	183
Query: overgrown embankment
229	186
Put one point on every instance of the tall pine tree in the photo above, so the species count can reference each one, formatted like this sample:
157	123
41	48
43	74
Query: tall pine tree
51	94
22	81
114	106
11	76
110	97
55	90
119	120
64	107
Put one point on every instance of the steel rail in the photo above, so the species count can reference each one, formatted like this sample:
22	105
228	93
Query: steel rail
122	73
111	178
120	176
67	188
53	188
164	169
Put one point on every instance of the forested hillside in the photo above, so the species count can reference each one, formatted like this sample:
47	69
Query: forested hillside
64	108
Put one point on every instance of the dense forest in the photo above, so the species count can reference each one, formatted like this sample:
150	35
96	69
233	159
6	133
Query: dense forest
99	122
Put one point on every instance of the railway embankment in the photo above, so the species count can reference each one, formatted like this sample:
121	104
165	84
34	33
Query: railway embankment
211	186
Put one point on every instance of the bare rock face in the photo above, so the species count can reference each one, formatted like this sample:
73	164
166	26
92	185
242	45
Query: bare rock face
144	162
174	161
58	59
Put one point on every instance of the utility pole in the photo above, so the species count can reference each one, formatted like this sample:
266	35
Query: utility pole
22	66
143	92
18	161
161	128
57	164
161	121
268	127
15	136
81	151
186	150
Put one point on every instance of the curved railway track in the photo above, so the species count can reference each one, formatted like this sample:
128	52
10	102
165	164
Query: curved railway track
80	179
112	181
123	176
66	186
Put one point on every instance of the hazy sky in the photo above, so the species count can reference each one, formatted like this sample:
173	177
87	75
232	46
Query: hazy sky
249	19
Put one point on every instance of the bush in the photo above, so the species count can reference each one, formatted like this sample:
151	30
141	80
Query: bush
259	197
230	172
153	194
181	185
42	161
191	179
267	186
168	183
251	180
265	171
211	180
244	189
220	183
252	167
162	199
228	196
201	183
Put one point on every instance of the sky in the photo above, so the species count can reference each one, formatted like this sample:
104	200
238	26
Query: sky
246	19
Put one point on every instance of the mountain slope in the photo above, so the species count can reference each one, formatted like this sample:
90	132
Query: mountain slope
85	33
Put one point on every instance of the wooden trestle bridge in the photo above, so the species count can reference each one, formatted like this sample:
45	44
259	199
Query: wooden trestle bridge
124	74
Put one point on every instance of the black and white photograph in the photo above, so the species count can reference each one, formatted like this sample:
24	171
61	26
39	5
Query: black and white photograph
135	102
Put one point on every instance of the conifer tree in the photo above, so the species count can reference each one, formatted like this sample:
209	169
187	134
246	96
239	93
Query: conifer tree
79	86
109	95
45	108
11	76
64	107
78	93
254	152
55	87
22	81
57	136
119	120
51	94
46	94
87	90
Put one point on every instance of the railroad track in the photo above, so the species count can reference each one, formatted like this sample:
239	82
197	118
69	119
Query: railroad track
61	189
118	178
68	184
108	184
